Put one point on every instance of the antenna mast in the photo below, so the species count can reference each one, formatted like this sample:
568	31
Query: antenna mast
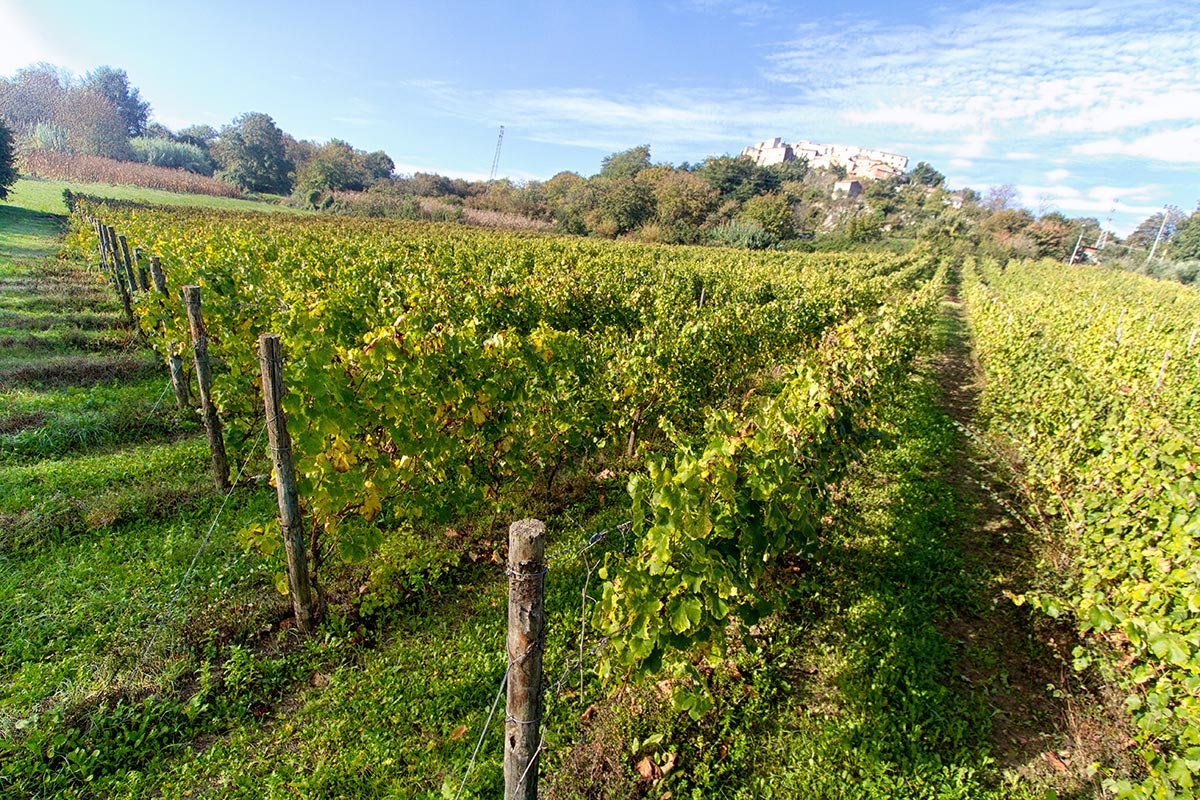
496	159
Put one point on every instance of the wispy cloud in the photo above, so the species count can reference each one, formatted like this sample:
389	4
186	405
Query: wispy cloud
1177	145
676	122
1056	72
1127	202
745	10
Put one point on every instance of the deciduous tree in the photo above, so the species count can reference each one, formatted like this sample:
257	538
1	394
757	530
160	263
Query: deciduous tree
92	125
627	163
924	174
251	154
113	84
32	96
772	213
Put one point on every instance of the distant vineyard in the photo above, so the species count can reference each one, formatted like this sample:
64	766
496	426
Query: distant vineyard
1095	377
53	165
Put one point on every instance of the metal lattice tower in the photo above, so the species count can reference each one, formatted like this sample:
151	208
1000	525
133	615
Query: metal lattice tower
496	159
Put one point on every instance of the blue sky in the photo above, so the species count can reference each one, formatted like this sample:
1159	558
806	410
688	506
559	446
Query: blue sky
1085	107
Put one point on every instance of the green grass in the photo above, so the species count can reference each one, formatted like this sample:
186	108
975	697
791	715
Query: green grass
46	197
29	230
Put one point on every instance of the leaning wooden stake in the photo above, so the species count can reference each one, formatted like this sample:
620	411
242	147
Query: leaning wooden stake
212	423
143	281
526	637
113	248
101	244
179	382
270	356
160	280
129	276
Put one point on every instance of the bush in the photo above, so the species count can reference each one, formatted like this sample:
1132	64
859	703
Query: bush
171	155
47	136
744	234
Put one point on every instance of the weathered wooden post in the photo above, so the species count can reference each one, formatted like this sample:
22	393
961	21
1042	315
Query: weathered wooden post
179	381
212	423
128	263
270	357
143	281
123	289
160	280
100	243
526	639
175	361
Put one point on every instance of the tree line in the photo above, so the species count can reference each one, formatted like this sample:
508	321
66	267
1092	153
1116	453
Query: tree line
44	107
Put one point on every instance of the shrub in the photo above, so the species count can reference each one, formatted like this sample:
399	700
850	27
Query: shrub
172	155
744	234
47	136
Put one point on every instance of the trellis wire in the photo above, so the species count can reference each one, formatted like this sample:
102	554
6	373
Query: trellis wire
195	559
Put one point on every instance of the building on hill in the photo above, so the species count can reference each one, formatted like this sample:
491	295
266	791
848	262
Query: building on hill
773	151
859	162
850	188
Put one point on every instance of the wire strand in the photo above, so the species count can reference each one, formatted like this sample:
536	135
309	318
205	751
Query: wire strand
195	559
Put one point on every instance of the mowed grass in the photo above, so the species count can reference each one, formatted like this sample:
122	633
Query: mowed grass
46	197
29	230
106	504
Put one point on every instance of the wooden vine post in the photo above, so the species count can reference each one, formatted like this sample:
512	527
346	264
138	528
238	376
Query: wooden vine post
270	357
118	277
129	276
175	361
160	280
101	244
526	639
143	281
212	423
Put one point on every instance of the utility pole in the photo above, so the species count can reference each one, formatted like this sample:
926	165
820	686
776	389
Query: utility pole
496	158
1161	228
1102	239
1075	252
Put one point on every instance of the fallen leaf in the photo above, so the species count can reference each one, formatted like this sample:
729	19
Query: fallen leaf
458	733
648	769
1055	761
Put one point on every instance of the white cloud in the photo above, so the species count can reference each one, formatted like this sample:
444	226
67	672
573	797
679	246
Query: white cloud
1179	145
1127	204
747	10
1058	175
675	121
1035	70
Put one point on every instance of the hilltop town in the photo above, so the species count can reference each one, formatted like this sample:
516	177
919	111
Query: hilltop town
859	162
